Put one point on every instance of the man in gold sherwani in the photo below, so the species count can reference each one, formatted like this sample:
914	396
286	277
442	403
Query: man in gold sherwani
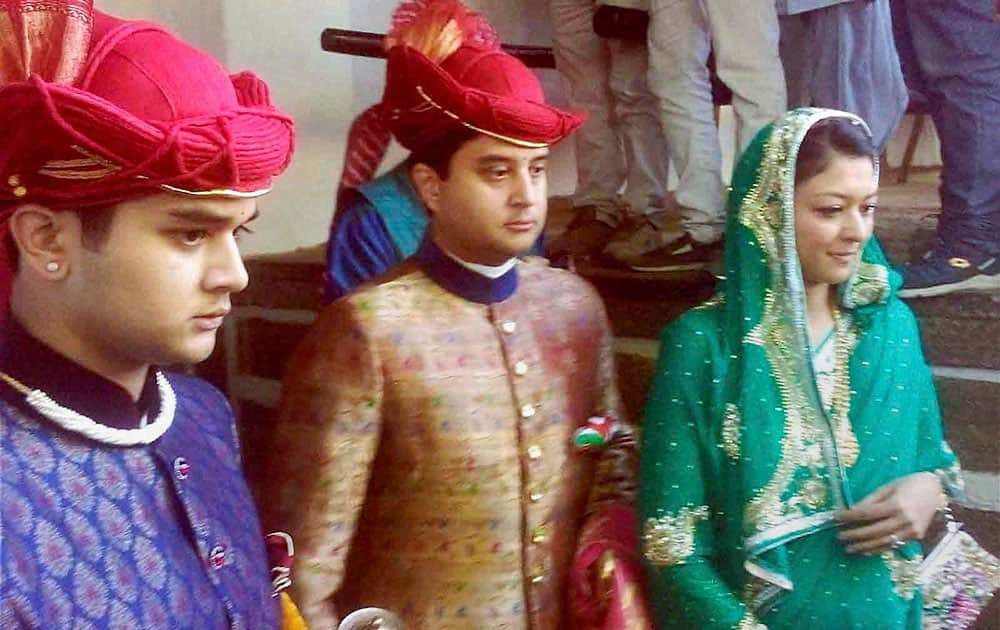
431	457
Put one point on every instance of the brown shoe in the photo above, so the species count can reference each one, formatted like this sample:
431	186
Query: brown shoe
585	236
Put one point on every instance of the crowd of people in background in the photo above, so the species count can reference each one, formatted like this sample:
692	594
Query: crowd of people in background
868	57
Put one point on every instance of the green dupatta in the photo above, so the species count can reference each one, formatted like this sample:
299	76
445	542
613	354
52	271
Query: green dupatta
742	467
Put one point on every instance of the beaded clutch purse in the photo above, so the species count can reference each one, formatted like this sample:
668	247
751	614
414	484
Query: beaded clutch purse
958	579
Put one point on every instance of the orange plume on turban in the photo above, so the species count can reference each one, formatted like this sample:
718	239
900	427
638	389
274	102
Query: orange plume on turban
56	57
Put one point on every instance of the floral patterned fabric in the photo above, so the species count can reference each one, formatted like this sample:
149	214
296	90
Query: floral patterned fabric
159	536
424	459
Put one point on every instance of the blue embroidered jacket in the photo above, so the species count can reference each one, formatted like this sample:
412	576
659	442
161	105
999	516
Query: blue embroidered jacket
98	536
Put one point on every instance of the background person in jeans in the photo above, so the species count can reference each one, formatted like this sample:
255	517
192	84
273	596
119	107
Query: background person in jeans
841	54
950	52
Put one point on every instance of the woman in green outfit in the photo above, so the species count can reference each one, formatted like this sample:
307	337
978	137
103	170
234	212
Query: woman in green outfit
792	448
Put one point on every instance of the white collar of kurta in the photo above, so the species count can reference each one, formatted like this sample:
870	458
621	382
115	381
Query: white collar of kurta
76	422
488	271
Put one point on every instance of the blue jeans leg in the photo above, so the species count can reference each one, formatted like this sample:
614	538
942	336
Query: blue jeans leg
956	49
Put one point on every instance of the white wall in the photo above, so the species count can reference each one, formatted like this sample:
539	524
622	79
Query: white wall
280	42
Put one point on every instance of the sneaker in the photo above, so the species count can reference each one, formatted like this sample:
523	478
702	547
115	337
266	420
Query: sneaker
938	273
648	238
585	236
684	253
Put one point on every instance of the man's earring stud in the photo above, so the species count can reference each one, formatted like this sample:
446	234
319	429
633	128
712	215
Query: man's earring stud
52	266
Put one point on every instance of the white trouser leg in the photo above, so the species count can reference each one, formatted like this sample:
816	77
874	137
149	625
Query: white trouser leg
745	40
583	61
637	112
679	43
744	36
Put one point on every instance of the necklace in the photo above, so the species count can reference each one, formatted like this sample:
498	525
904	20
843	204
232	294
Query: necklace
81	424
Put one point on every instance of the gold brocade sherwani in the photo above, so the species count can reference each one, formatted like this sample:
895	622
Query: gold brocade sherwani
426	457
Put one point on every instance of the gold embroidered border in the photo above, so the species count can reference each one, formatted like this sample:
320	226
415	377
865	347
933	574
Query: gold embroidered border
731	432
903	573
870	284
749	622
669	540
762	214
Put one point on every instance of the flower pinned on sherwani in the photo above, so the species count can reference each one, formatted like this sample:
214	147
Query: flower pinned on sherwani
595	434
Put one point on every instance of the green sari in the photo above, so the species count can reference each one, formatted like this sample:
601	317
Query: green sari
743	467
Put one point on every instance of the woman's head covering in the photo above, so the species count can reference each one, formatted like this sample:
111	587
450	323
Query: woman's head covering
761	258
446	71
95	110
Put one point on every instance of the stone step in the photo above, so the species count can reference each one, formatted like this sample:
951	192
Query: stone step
971	413
960	330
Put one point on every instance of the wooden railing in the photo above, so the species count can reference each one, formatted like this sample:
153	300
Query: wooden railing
365	44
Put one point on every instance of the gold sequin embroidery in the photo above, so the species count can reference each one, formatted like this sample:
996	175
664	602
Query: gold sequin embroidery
716	300
755	337
870	285
805	425
903	573
731	432
669	540
749	622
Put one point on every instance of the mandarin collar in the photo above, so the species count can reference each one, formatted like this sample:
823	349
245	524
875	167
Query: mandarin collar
462	281
38	366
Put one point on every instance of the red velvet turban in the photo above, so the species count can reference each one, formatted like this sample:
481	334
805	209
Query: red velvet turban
95	110
126	111
445	71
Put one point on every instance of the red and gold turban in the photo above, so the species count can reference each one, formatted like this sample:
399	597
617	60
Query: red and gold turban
95	110
445	71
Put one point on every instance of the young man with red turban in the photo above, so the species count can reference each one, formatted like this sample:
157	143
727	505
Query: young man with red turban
381	221
449	429
129	164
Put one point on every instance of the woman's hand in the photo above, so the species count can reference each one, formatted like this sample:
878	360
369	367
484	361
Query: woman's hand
895	513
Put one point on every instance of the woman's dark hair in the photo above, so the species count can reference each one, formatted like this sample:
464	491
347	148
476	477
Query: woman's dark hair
438	154
827	138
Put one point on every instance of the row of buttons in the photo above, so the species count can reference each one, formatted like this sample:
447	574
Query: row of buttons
527	409
510	327
540	533
217	556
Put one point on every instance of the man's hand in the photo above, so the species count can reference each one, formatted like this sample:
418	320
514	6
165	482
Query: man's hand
892	515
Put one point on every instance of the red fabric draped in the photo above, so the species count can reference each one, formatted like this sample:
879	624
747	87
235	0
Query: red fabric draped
59	56
612	531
